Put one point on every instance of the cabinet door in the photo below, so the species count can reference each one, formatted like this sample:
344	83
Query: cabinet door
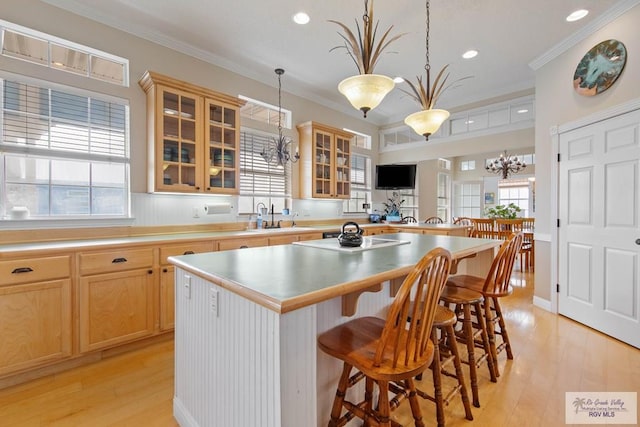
222	142
167	298
282	240
323	164
342	181
35	321
115	308
178	146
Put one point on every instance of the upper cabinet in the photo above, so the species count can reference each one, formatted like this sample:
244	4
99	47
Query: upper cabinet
325	161
194	137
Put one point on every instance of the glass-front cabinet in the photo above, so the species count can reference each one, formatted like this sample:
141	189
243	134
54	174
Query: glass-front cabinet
325	161
193	137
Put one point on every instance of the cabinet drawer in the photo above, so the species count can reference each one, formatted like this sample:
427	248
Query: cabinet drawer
116	260
29	270
184	249
225	245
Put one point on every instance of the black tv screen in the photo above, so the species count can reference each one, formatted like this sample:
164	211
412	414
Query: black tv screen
392	177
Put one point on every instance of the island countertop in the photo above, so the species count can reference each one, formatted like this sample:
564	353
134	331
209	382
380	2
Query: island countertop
288	277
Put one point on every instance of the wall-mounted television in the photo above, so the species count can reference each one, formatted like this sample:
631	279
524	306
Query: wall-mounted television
395	177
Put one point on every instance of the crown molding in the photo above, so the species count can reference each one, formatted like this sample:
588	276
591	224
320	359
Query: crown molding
606	18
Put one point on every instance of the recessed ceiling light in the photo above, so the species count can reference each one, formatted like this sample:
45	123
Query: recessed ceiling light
398	80
524	110
578	14
301	18
470	54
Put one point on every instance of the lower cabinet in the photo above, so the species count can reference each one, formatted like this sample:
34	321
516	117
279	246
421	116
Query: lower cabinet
116	308
243	242
35	320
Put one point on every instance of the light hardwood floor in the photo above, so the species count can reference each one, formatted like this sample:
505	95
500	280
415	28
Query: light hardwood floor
551	355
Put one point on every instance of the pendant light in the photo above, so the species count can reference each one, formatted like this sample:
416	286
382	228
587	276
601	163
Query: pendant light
429	120
366	90
278	152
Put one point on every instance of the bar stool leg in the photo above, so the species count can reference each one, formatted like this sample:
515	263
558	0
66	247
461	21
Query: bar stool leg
451	339
471	353
491	361
503	329
336	409
436	369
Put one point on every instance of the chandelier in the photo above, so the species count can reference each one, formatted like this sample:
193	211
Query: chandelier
429	120
505	165
366	90
278	151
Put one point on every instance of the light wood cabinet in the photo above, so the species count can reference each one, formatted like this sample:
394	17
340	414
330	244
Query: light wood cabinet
167	278
35	312
117	297
194	137
325	161
282	240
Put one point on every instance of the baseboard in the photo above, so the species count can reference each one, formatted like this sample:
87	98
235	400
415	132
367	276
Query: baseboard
542	303
182	415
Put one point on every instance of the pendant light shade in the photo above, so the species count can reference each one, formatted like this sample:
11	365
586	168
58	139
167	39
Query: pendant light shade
426	122
366	91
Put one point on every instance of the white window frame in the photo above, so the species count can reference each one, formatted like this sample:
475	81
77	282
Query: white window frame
56	149
354	205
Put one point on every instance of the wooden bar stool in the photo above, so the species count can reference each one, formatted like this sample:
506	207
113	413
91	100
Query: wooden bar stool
468	309
446	352
492	288
391	350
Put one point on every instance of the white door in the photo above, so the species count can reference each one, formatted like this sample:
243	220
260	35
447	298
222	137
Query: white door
599	235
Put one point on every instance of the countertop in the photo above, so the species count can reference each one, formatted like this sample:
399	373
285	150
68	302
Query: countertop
287	277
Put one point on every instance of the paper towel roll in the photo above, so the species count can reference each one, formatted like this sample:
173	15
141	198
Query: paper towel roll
217	208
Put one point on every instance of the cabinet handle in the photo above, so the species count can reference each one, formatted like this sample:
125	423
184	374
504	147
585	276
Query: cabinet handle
197	188
22	270
244	247
118	260
188	253
164	270
150	271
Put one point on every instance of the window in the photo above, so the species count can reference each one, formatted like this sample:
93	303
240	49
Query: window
40	48
360	184
261	182
467	199
264	113
516	192
444	204
64	153
468	165
444	164
360	140
410	205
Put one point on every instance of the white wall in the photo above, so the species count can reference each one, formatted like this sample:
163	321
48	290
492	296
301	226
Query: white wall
557	103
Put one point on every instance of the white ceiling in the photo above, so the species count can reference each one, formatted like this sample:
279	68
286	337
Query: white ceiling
252	37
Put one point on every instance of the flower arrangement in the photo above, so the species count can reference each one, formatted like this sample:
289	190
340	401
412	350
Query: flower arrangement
362	48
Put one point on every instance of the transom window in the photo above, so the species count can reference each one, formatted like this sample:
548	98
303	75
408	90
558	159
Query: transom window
64	153
44	49
360	185
264	113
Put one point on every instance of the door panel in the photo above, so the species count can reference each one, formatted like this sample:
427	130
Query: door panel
599	258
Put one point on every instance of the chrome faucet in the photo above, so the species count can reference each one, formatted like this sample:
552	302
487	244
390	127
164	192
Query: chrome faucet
273	222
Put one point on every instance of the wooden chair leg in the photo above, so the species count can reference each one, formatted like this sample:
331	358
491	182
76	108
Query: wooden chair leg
413	401
491	334
436	369
467	328
336	409
491	362
503	329
453	348
384	409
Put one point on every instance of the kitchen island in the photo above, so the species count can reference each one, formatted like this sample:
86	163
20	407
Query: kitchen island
247	322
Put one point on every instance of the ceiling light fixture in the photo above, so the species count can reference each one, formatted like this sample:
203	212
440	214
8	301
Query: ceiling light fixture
398	80
301	18
470	54
429	120
366	90
577	15
277	151
505	165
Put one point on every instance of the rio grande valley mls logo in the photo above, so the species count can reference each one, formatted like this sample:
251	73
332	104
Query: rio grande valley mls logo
601	408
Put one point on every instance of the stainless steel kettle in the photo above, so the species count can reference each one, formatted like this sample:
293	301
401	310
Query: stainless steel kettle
350	238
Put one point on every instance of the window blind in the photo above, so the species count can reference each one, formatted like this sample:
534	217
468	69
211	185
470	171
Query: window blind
257	177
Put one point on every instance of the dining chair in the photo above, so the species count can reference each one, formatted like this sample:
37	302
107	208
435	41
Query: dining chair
504	227
465	221
409	220
483	228
493	287
433	220
389	351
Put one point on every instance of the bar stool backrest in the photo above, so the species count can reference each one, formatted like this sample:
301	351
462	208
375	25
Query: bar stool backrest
409	340
497	281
